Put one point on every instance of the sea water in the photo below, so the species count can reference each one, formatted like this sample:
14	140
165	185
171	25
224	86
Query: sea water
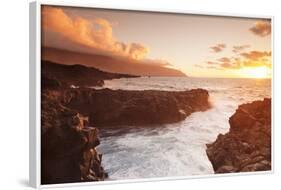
177	149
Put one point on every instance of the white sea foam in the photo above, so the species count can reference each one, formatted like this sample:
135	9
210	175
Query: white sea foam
177	149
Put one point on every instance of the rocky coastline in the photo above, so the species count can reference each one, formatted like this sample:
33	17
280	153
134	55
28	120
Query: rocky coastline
70	118
247	145
65	76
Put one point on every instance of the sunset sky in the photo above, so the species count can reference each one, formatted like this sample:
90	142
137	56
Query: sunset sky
199	46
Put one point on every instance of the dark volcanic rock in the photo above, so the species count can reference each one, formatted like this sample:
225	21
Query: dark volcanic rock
119	107
247	146
77	75
68	151
50	83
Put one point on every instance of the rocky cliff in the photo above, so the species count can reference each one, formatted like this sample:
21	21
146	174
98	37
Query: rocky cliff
68	144
247	146
107	107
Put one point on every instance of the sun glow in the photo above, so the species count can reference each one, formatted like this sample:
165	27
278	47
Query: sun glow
255	72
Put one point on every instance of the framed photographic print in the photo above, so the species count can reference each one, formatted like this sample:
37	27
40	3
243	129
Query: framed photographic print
122	95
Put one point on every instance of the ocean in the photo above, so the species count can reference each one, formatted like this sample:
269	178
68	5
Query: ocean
177	149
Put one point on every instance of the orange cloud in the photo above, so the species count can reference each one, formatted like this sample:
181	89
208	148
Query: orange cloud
261	28
137	50
211	62
257	58
256	55
253	64
96	35
218	48
238	49
226	65
231	65
224	60
246	59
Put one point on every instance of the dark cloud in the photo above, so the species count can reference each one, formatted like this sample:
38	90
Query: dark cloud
261	28
218	48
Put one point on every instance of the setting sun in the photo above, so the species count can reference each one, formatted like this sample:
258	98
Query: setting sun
256	72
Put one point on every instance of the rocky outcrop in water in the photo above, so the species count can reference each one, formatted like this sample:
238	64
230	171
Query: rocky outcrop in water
68	144
247	146
107	107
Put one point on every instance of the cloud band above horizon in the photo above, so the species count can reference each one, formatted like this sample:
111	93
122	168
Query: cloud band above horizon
80	34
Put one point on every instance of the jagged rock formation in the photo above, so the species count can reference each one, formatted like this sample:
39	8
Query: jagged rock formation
68	151
247	146
107	107
68	143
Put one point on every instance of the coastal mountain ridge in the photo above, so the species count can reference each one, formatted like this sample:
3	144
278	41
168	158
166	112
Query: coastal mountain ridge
109	63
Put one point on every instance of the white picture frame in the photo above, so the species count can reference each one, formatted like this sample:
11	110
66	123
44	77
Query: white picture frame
35	91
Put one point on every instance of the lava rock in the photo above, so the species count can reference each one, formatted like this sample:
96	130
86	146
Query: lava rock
68	144
107	107
247	146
